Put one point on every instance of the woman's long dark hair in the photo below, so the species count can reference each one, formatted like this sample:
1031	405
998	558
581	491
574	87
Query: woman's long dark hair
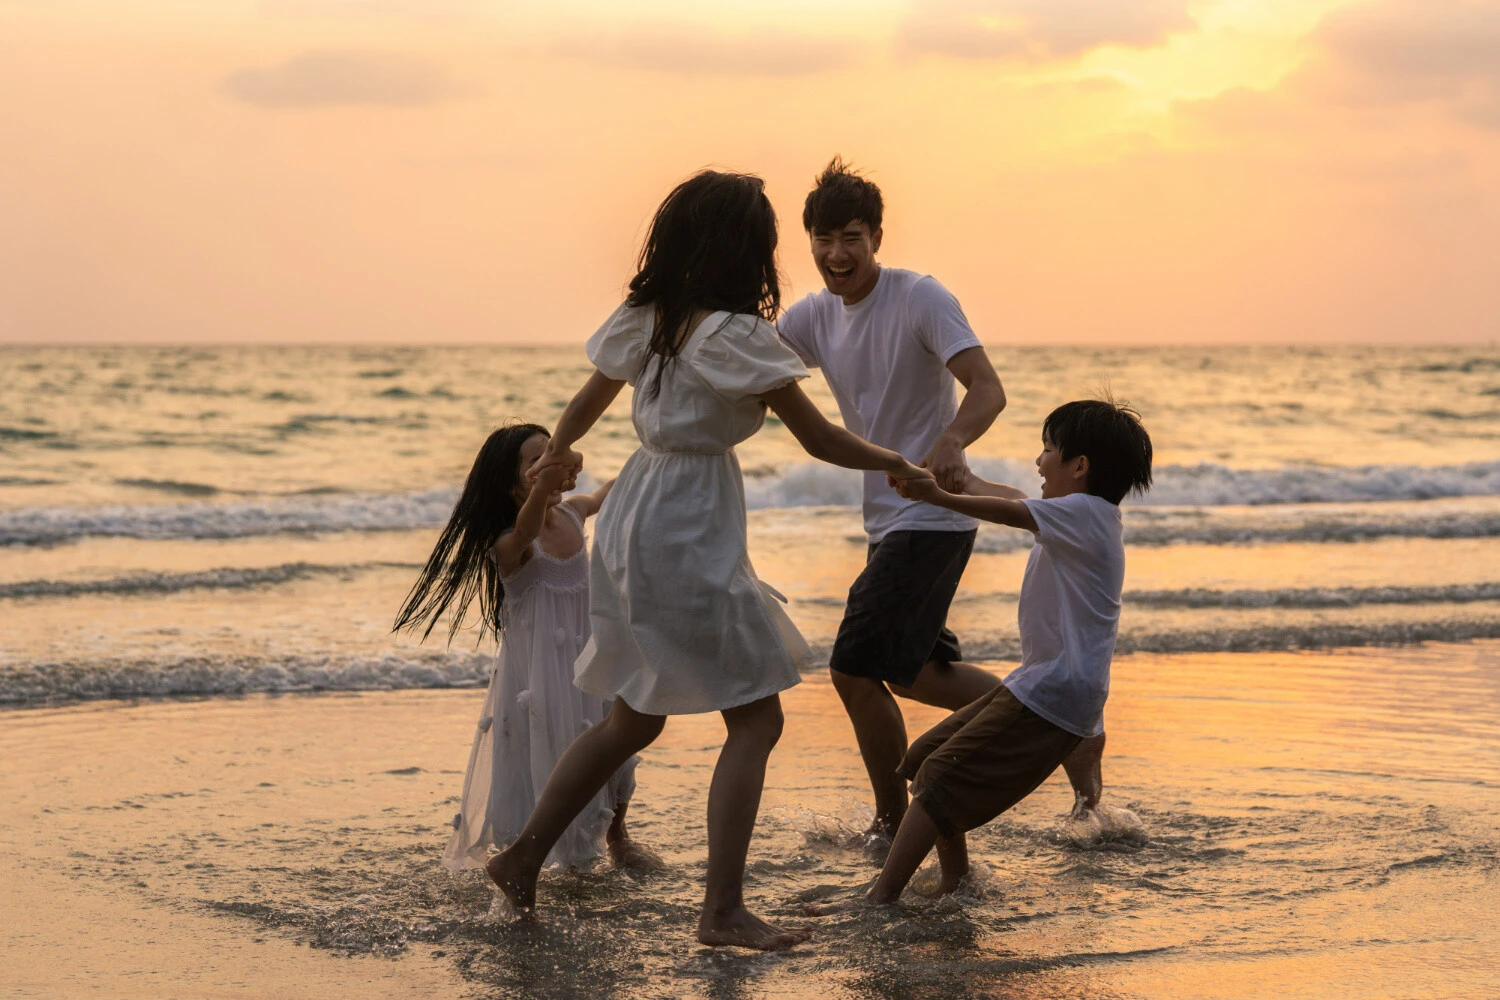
712	246
460	566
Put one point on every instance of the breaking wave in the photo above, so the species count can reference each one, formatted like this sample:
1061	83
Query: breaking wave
168	583
1179	509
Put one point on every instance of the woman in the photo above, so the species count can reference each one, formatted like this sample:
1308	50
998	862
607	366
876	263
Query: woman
680	622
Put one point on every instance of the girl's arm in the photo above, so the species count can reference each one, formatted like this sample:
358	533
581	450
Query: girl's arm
828	442
988	508
581	413
976	487
586	505
514	547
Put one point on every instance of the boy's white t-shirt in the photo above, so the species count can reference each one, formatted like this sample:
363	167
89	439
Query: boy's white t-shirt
885	358
1070	611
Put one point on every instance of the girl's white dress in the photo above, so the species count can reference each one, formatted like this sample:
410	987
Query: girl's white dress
680	622
531	713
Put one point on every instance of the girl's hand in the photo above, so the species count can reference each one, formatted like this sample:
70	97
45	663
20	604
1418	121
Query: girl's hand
552	478
566	457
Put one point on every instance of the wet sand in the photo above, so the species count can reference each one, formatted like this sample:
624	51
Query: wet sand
1310	825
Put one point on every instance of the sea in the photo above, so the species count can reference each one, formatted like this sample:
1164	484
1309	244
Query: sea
210	544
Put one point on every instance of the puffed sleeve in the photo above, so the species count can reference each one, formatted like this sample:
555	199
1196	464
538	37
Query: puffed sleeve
619	346
746	357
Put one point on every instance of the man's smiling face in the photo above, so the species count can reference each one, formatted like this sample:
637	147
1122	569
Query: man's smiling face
846	260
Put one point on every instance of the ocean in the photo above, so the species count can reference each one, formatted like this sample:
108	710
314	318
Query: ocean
202	551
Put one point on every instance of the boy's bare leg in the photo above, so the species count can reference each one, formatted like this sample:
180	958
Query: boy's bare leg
1085	770
582	770
914	841
624	852
880	731
949	685
733	801
953	856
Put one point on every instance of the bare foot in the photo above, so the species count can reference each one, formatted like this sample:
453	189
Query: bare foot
827	909
516	880
743	929
877	843
629	856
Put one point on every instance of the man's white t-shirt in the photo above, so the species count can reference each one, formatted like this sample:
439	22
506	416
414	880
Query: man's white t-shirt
1070	611
885	358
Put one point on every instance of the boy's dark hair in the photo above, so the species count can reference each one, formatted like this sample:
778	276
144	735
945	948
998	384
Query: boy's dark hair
841	196
1110	435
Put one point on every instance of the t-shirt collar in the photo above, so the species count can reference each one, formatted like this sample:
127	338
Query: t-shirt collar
860	305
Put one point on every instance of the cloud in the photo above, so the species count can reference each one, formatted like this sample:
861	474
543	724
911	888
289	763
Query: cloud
332	78
997	29
703	53
1405	51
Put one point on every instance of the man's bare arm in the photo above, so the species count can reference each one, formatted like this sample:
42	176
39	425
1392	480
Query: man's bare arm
984	398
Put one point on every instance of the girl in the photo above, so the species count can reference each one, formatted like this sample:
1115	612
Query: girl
680	622
516	544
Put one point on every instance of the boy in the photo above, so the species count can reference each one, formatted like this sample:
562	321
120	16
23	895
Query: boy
992	753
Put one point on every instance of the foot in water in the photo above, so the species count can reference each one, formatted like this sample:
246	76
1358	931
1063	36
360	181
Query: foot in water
742	929
629	856
516	880
876	845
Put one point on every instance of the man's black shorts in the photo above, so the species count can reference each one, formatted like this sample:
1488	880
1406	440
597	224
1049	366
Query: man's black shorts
896	617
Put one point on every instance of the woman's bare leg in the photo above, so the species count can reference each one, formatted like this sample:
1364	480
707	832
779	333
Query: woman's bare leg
583	769
733	801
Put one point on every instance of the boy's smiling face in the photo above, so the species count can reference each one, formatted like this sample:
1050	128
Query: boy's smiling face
1059	477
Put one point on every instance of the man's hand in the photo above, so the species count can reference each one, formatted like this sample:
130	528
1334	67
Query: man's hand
946	462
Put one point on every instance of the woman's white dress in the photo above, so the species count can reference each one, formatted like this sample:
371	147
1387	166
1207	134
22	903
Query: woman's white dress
531	713
680	622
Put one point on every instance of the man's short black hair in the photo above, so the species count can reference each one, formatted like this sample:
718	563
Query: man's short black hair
1110	435
841	196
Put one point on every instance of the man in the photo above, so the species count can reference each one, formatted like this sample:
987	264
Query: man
892	343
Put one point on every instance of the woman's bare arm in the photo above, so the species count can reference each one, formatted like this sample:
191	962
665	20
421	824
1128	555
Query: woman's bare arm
831	443
581	413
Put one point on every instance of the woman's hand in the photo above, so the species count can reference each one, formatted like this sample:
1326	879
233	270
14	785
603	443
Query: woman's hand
565	457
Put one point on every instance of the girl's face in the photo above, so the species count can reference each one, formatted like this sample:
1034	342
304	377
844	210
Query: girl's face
531	450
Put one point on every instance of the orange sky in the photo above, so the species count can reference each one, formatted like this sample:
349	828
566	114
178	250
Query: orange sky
1131	171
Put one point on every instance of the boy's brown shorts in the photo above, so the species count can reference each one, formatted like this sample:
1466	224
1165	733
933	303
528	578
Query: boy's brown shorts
982	760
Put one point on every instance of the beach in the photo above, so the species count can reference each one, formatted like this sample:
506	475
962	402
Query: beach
225	777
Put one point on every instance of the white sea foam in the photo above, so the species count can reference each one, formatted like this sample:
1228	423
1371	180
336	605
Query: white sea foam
1159	519
82	680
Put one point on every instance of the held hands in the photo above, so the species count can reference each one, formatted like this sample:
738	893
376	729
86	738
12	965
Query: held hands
946	461
925	488
556	470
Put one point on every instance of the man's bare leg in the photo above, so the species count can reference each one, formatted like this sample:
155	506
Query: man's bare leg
733	801
1085	770
581	771
880	731
949	685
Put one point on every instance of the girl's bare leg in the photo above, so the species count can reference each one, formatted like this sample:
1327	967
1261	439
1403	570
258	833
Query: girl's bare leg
733	801
1086	773
583	769
914	840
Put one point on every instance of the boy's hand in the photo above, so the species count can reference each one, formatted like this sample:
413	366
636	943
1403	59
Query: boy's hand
925	489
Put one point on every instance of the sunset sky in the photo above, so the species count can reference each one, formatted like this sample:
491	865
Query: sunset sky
1131	171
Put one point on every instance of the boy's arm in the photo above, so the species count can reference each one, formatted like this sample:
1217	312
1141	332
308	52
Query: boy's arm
988	508
976	487
586	505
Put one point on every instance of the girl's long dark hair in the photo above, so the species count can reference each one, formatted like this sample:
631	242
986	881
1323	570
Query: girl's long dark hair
460	566
712	246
